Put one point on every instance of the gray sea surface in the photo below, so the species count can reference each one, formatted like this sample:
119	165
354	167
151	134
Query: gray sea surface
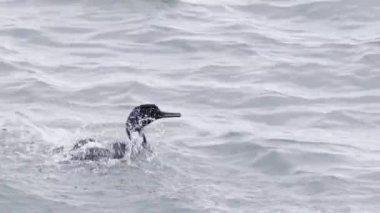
280	103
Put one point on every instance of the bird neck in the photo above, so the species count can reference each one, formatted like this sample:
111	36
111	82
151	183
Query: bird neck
137	135
134	129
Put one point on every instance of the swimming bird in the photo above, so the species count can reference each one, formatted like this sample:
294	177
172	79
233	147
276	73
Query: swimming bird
140	117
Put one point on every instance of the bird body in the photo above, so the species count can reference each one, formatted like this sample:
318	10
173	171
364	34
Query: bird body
141	116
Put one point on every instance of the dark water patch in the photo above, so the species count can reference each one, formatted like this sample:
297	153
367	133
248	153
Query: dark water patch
32	90
6	68
370	175
342	119
282	118
273	162
315	10
69	30
192	45
273	101
232	149
29	35
92	54
344	150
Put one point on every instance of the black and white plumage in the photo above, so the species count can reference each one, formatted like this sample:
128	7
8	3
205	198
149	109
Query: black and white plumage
140	117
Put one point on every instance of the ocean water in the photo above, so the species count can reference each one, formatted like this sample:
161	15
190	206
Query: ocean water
280	104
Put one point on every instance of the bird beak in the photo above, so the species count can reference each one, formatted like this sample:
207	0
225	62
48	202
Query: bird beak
169	115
